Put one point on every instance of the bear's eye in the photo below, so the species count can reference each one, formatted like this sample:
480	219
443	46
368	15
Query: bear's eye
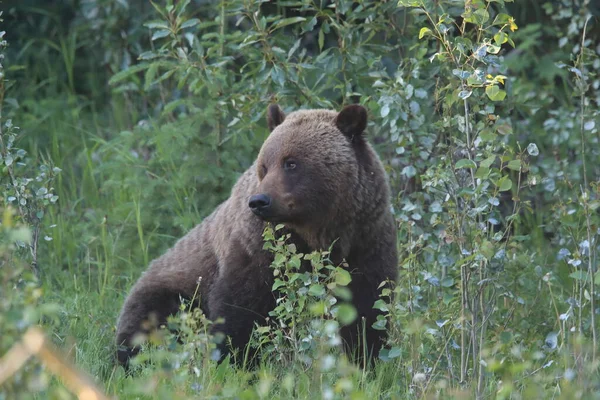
263	170
289	165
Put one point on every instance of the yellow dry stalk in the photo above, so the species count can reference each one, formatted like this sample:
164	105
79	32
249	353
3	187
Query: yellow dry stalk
35	344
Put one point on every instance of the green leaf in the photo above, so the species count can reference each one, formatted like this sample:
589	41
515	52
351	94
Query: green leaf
309	26
500	38
424	31
395	352
465	163
170	106
119	76
501	19
189	23
385	110
22	234
316	290
465	94
321	39
504	184
447	282
506	337
409	171
346	313
493	49
287	21
293	49
487	249
164	76
515	165
278	76
487	135
342	276
409	3
160	34
317	308
447	298
579	275
156	24
279	259
475	80
478	17
295	262
149	76
181	6
379	324
495	93
482	172
381	305
532	149
504	128
488	161
148	55
277	284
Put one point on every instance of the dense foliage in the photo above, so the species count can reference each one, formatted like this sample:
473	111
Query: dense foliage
137	117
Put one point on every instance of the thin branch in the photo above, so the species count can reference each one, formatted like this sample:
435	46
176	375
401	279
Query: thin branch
584	196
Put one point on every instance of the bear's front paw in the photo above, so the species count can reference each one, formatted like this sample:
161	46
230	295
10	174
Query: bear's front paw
125	354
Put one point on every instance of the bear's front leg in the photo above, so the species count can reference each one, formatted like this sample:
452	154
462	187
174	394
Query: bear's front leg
146	308
241	301
369	269
360	339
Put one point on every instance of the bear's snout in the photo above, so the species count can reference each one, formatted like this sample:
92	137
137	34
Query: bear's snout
260	204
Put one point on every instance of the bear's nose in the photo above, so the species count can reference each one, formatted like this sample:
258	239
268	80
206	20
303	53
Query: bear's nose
259	203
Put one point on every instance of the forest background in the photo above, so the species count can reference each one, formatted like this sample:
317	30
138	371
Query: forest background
124	123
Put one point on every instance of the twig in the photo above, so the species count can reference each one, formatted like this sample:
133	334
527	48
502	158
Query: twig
35	343
584	195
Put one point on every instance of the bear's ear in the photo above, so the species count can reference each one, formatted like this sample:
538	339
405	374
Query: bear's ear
352	121
275	116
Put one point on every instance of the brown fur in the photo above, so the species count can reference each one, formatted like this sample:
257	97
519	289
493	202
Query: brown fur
336	190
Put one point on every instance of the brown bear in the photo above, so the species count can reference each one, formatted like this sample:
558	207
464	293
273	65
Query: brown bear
317	175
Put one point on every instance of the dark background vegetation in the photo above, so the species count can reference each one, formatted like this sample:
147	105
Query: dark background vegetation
150	120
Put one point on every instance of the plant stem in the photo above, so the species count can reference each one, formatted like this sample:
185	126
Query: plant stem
463	307
584	195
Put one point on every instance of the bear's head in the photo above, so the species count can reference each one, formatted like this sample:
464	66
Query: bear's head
309	165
